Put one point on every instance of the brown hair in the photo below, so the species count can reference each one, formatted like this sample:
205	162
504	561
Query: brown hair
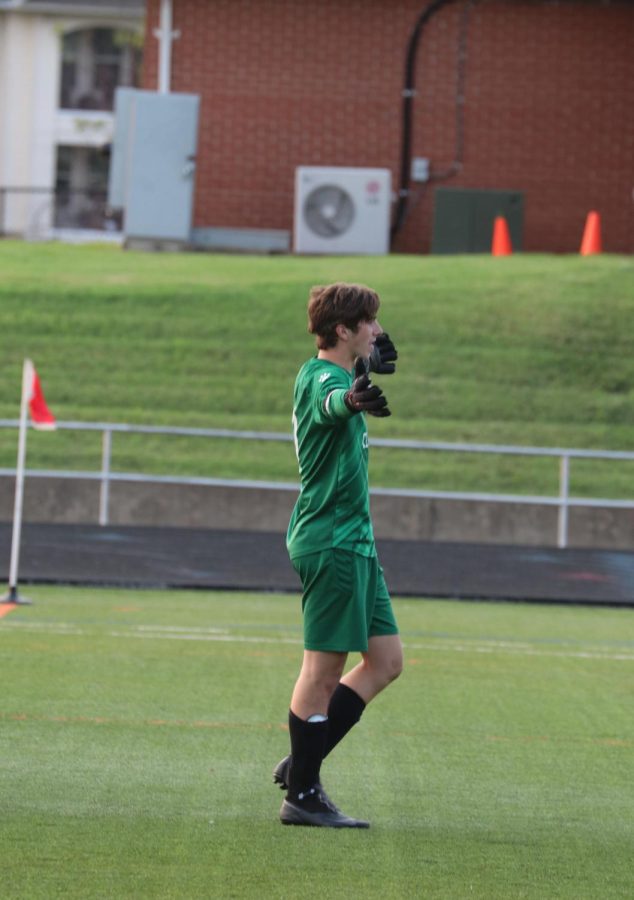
339	304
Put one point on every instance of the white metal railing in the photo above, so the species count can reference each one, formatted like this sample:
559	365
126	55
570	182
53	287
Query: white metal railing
563	501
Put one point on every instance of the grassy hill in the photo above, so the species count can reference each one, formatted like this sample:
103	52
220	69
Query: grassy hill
535	350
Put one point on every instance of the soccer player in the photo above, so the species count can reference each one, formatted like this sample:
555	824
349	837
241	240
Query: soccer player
346	605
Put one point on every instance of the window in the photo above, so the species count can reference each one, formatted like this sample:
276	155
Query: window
94	63
81	190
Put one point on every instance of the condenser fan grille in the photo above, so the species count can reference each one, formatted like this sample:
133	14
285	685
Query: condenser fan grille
329	210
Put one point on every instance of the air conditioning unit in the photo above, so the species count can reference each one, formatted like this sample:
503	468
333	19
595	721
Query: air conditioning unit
342	210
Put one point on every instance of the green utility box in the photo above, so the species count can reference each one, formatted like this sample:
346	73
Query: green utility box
463	219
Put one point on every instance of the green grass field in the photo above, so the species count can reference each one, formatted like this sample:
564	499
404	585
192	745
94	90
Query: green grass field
138	731
528	349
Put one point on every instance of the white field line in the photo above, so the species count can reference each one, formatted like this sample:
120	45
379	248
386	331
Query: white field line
523	650
182	628
217	638
223	635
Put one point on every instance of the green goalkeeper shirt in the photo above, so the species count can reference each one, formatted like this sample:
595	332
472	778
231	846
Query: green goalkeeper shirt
333	507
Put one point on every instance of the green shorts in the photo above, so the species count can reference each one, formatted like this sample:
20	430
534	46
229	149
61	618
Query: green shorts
345	601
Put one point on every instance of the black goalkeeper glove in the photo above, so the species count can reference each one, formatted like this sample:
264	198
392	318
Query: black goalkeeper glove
383	356
364	396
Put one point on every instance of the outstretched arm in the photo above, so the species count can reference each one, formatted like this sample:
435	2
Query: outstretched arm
363	396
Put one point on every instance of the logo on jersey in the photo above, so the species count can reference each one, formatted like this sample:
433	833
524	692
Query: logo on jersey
365	441
324	377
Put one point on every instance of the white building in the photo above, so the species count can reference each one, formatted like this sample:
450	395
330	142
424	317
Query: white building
60	63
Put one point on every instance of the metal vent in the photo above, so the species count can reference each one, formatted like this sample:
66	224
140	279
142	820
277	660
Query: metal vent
329	210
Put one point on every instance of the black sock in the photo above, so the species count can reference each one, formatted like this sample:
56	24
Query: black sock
307	751
344	711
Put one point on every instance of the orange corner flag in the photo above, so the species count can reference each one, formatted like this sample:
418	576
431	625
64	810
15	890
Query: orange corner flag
591	242
501	245
32	401
41	416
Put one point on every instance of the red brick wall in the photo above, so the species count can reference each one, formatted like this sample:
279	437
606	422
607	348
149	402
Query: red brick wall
549	94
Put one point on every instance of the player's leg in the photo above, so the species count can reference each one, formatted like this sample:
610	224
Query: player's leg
381	663
306	802
318	678
379	666
308	718
344	711
326	616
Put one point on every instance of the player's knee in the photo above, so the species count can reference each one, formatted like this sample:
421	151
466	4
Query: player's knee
394	667
385	665
323	684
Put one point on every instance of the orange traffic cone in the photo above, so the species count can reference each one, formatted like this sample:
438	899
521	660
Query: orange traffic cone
591	242
501	245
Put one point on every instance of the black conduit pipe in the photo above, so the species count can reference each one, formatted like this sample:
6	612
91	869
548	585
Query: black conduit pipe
409	93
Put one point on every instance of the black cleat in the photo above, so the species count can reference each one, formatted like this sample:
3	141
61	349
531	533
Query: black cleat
317	810
280	773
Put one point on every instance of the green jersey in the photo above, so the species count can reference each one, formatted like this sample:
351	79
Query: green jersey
333	507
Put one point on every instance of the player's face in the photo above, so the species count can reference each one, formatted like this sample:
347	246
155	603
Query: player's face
364	337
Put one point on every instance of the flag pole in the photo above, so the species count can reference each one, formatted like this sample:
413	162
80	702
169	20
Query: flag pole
12	596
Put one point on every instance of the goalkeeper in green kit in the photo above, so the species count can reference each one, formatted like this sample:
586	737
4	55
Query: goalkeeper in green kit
345	603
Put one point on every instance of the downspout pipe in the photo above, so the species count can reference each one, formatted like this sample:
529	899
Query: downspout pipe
409	92
165	36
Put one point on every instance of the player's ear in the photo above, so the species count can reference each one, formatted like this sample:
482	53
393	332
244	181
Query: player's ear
342	332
